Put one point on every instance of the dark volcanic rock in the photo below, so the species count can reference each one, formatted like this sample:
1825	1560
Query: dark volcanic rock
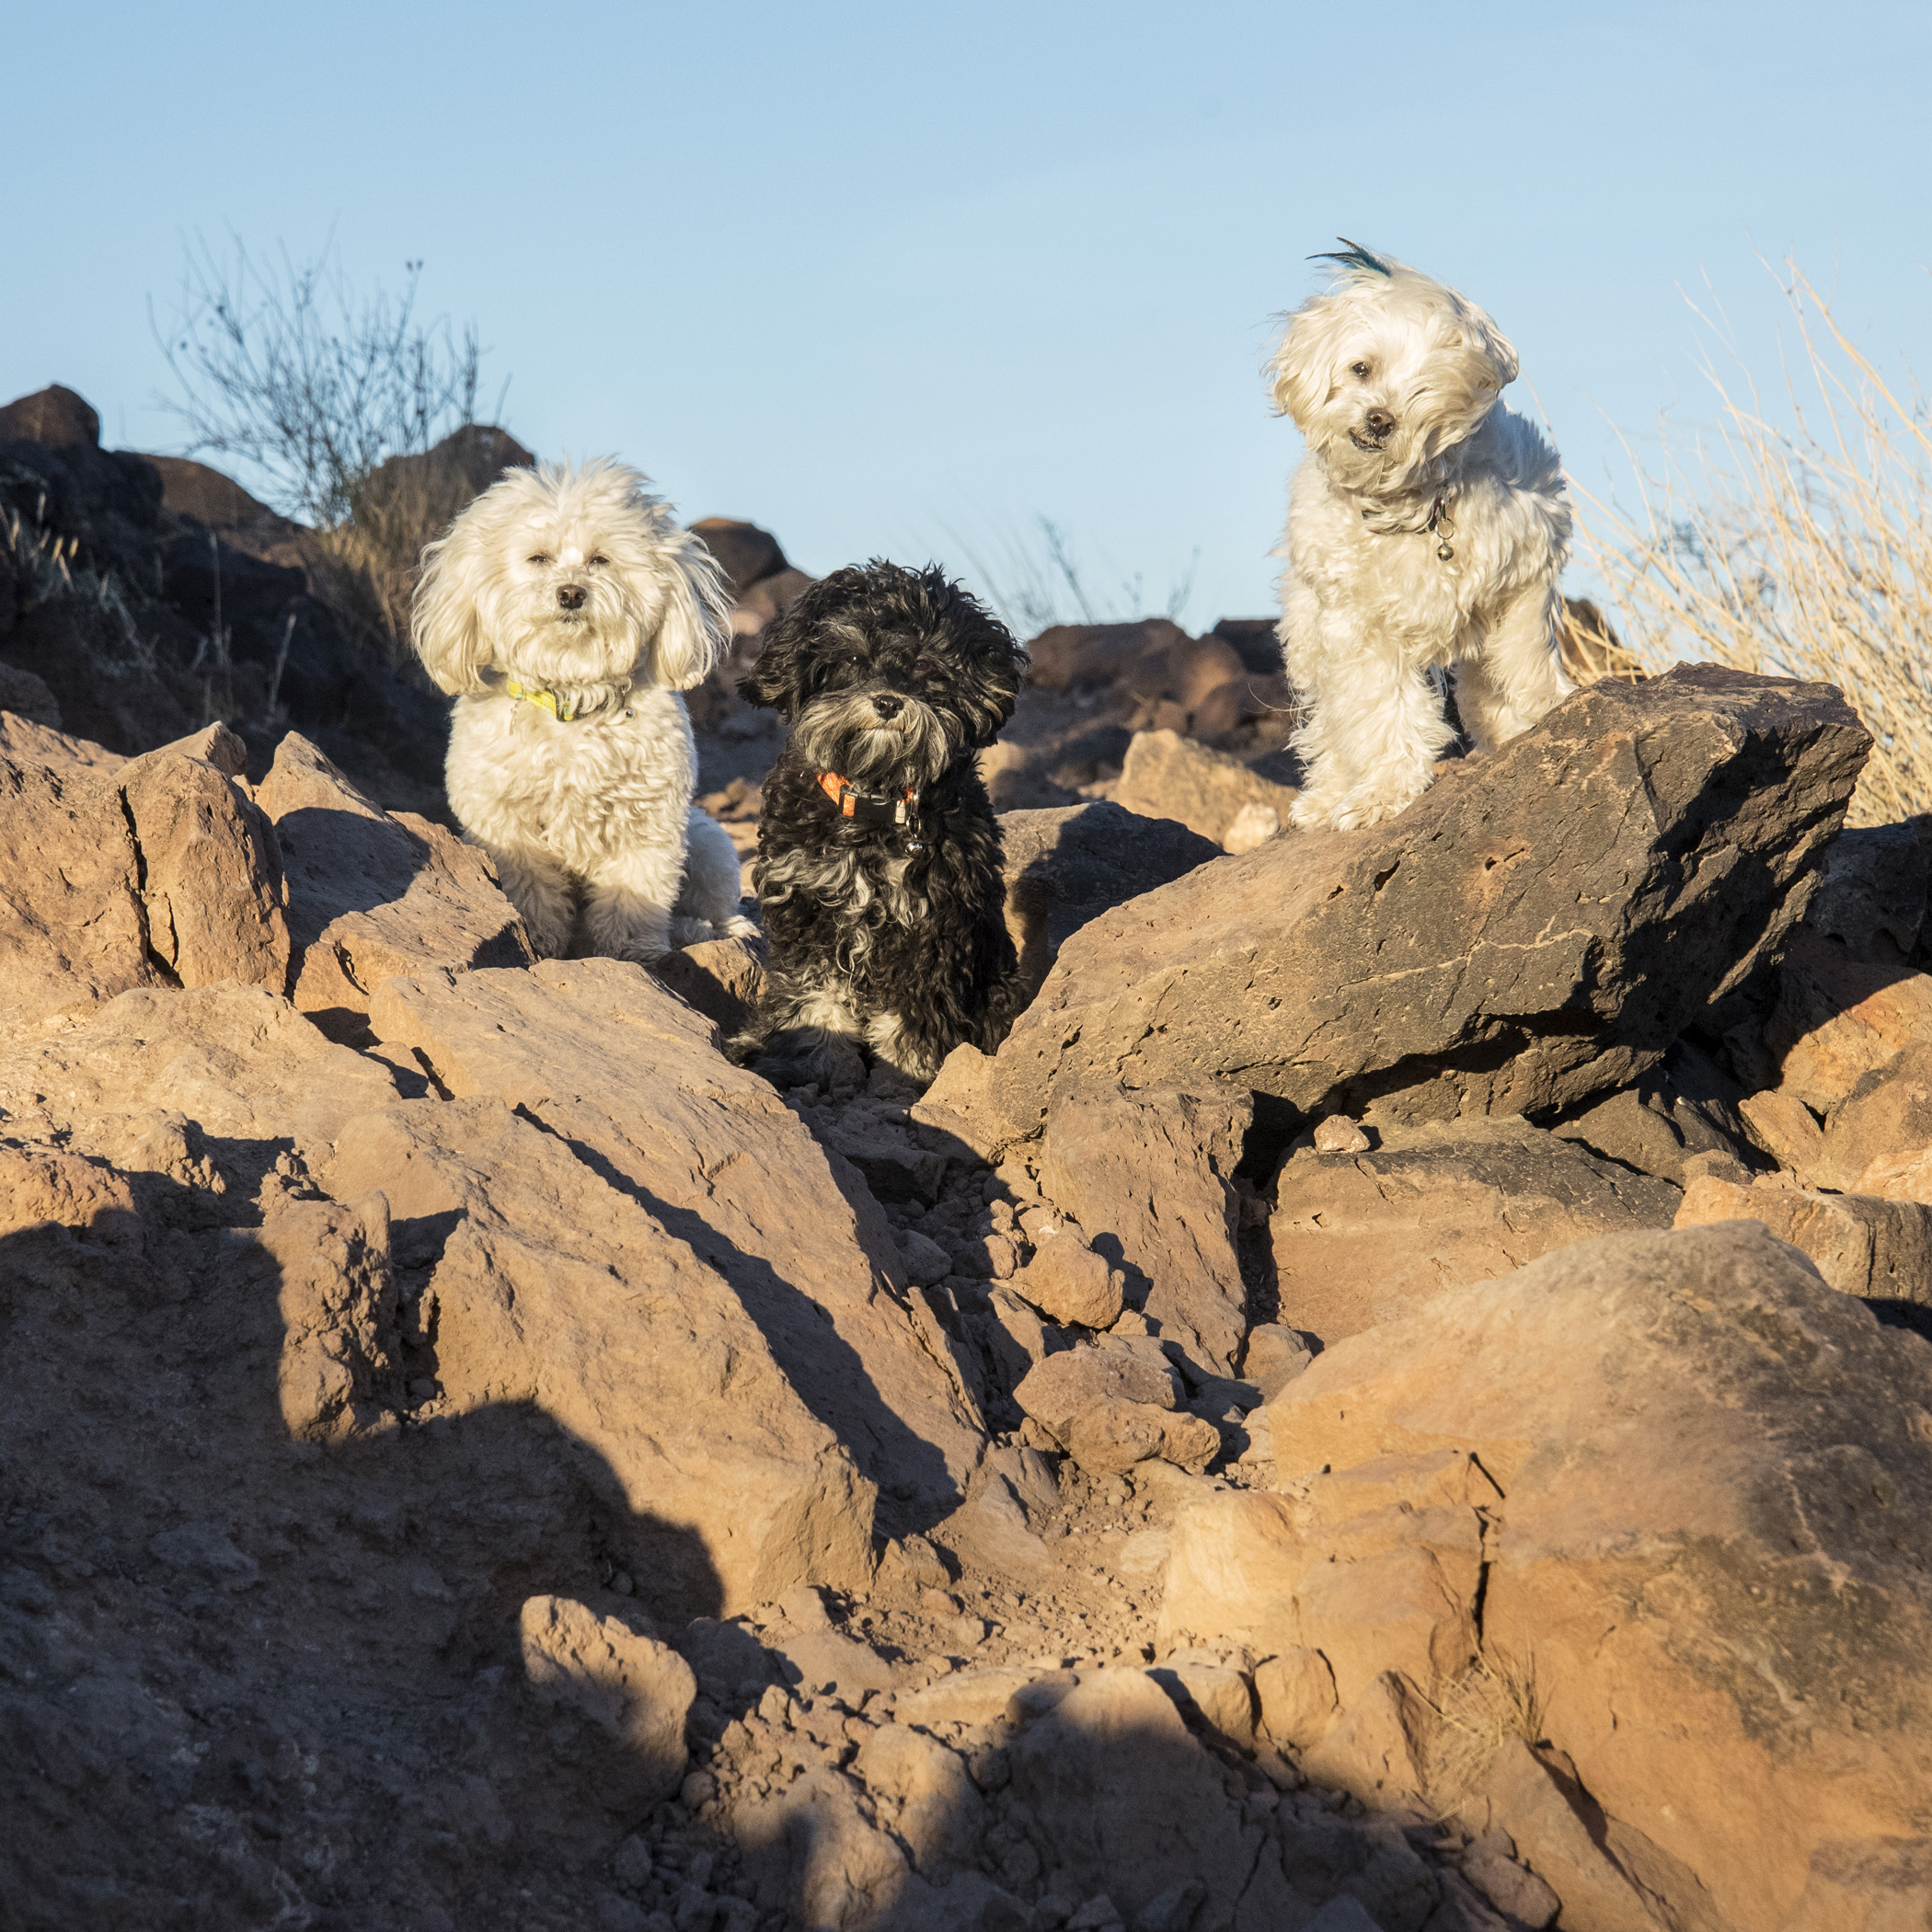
1535	930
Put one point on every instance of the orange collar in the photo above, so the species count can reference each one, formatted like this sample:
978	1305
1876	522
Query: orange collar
873	807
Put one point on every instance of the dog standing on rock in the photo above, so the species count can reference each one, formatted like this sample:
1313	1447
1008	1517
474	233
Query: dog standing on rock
567	610
1427	529
879	872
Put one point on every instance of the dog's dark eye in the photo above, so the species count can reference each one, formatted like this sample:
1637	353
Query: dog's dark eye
541	558
599	560
1359	369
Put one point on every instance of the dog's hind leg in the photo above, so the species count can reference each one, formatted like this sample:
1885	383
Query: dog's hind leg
1519	675
539	887
804	1033
713	890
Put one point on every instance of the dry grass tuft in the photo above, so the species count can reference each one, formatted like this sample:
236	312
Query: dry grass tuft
1495	1700
1802	550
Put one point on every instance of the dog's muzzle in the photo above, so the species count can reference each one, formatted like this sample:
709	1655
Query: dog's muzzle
1377	427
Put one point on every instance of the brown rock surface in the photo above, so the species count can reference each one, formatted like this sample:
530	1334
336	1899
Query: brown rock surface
1880	1250
75	932
1363	1238
1109	1784
1148	1176
210	873
373	893
1715	1475
1067	865
1535	931
1839	1019
722	978
1888	1113
1169	777
636	1690
709	1150
1069	1282
558	1289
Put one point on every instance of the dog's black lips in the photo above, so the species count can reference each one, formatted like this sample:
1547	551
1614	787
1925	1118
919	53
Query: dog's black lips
1373	445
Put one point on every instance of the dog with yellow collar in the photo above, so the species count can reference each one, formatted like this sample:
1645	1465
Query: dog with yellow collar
564	610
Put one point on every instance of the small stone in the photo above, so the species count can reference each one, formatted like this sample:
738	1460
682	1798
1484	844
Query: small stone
1172	1910
620	1915
1253	826
1338	1134
926	1261
1276	1355
697	1790
1099	1911
1069	1282
632	1865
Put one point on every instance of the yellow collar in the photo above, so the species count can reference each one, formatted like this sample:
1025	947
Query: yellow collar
543	700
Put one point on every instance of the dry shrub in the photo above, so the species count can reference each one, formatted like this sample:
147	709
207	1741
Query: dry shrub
1802	549
1494	1700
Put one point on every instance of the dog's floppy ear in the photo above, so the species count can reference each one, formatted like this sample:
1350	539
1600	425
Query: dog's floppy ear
445	625
992	664
1301	370
773	679
695	630
1489	342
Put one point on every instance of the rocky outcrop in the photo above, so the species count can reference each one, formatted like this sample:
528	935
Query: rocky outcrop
181	596
1067	865
1862	1244
374	894
1166	775
1360	1238
160	871
1536	930
1699	1580
707	1152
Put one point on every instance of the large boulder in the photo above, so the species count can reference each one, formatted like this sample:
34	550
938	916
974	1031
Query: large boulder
1533	931
559	1288
1705	1573
1364	1238
1862	1244
154	873
709	1151
373	893
1166	775
1066	865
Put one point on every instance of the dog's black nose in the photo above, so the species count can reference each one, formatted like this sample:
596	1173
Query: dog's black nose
888	704
1378	422
570	596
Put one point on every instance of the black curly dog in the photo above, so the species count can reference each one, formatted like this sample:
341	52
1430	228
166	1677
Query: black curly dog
879	854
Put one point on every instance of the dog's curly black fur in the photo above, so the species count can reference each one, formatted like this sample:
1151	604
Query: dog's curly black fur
891	935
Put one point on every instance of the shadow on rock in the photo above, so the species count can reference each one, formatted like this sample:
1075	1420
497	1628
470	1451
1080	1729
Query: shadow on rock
270	1650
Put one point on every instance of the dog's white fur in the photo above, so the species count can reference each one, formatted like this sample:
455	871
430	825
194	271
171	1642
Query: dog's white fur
1394	380
591	817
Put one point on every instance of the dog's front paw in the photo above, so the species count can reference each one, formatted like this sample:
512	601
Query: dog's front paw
739	928
1374	804
690	931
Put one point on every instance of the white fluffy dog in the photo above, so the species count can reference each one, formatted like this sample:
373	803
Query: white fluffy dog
1427	528
567	610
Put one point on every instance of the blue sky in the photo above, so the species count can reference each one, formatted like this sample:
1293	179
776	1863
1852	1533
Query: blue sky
901	280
